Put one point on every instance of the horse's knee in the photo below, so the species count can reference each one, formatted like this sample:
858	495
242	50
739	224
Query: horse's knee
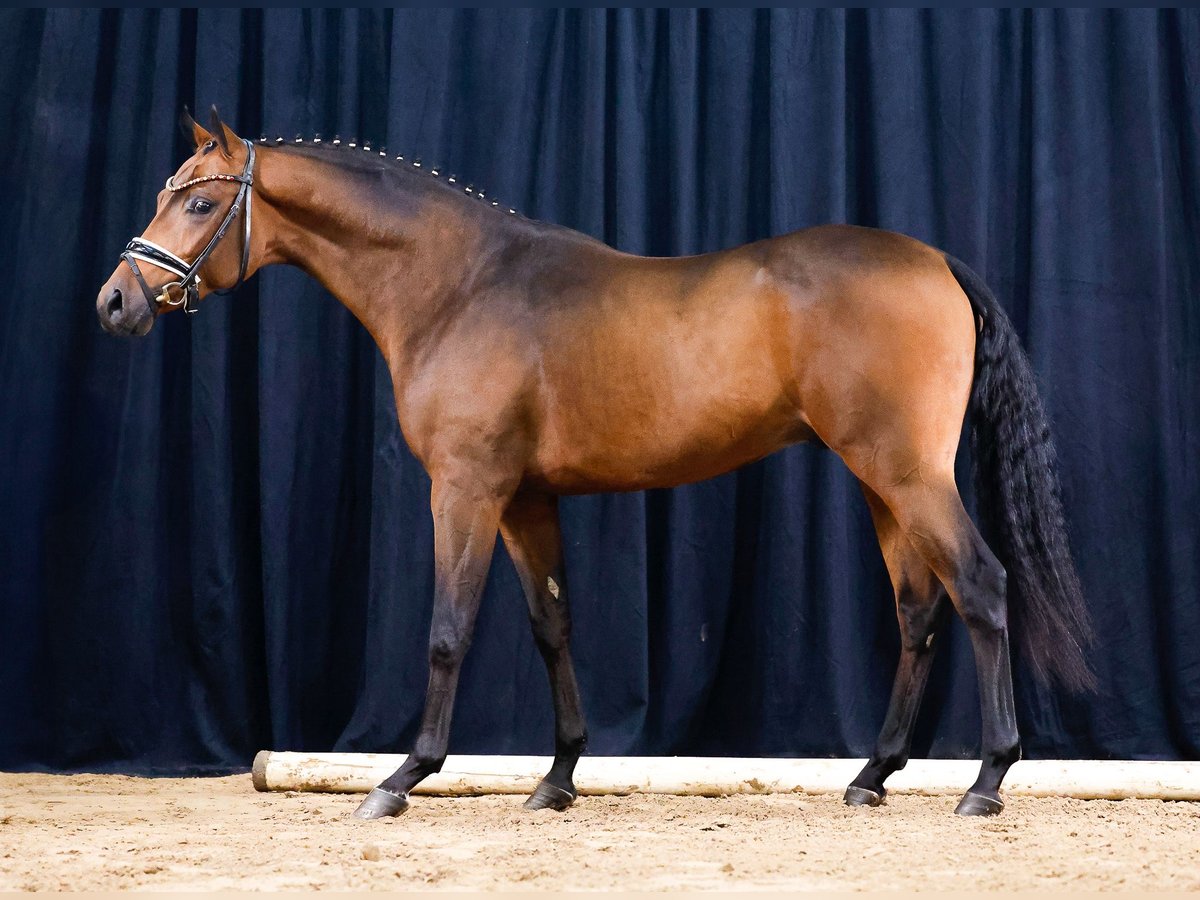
446	650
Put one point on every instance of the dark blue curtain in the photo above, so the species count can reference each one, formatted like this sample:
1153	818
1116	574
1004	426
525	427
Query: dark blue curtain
214	540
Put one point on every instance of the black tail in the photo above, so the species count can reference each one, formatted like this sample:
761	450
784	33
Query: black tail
1020	498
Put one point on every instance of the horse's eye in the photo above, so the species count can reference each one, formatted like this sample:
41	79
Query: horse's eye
199	206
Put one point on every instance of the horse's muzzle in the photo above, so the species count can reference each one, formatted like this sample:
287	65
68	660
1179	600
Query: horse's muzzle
122	312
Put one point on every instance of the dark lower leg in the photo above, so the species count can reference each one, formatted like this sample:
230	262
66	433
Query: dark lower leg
981	600
390	798
557	789
570	730
895	739
464	536
938	528
1001	745
921	607
919	635
433	738
531	533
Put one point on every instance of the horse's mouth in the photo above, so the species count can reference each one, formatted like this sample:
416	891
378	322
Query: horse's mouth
126	329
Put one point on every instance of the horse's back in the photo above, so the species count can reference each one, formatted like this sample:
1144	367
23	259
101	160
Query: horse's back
659	371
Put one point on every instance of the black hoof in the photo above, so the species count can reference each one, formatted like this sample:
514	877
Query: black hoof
973	804
547	796
380	803
861	796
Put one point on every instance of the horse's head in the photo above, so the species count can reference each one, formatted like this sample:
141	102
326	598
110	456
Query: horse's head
194	245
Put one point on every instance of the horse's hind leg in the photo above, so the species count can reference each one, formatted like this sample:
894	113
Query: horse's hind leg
931	517
921	607
531	532
466	514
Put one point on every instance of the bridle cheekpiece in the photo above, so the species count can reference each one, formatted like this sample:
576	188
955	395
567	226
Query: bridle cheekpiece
188	274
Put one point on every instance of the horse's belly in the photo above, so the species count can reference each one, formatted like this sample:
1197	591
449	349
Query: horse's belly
631	447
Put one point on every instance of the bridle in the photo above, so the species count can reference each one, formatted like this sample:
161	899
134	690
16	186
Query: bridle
189	273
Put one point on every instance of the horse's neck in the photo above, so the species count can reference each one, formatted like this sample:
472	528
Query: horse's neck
393	251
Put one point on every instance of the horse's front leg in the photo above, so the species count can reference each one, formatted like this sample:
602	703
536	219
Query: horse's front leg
466	516
531	532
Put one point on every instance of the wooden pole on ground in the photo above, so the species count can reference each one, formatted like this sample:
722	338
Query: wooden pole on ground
709	777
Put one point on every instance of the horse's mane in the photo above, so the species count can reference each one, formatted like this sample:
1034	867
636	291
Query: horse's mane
361	157
363	160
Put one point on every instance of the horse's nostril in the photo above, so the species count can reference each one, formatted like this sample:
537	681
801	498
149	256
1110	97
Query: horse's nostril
114	302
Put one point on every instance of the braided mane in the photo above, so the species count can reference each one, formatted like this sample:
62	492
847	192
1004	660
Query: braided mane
316	141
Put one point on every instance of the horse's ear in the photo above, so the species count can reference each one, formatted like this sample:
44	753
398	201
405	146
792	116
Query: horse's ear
223	133
193	129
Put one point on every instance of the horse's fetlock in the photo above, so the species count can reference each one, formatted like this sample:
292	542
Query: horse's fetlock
1007	754
573	745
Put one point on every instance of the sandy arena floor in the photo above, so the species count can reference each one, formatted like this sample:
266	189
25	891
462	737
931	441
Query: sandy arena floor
103	832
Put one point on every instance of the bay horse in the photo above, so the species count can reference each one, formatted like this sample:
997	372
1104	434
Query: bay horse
530	361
